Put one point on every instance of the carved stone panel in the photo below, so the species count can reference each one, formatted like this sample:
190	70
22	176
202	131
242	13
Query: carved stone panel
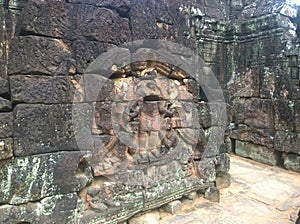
146	132
151	115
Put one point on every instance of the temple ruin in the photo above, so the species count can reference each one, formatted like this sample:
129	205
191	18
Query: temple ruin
110	108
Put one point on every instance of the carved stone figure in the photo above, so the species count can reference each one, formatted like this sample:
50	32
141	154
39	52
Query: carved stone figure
169	139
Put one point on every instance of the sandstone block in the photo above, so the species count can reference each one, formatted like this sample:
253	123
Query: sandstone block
46	89
259	113
5	105
4	87
297	115
35	55
206	170
56	128
173	207
35	177
284	115
245	83
191	196
223	181
291	161
6	148
257	152
6	125
204	115
103	117
222	164
212	194
257	136
48	210
87	51
287	141
38	18
267	83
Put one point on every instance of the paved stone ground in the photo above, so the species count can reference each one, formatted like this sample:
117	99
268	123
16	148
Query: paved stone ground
259	194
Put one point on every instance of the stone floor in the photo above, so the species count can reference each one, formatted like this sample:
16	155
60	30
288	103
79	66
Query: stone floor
258	194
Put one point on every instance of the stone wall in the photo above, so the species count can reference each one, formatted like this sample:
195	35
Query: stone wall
61	155
254	52
264	87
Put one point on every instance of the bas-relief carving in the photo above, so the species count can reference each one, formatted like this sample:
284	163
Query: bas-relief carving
155	130
148	112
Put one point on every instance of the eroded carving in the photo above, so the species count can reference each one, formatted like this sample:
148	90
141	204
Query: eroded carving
153	129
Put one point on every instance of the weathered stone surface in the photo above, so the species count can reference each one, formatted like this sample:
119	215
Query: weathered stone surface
35	177
245	83
221	114
119	5
213	143
47	210
155	20
267	83
82	25
287	141
87	28
55	128
110	156
4	36
113	29
4	87
173	207
285	87
87	34
222	163
46	89
6	148
35	55
87	51
223	181
297	115
116	196
257	136
291	161
259	113
153	125
191	196
5	105
204	115
257	25
193	87
212	194
110	62
284	115
227	145
239	110
214	114
257	152
46	24
102	115
6	125
206	170
99	88
148	28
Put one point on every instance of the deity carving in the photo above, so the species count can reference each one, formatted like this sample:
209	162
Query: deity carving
153	117
149	131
